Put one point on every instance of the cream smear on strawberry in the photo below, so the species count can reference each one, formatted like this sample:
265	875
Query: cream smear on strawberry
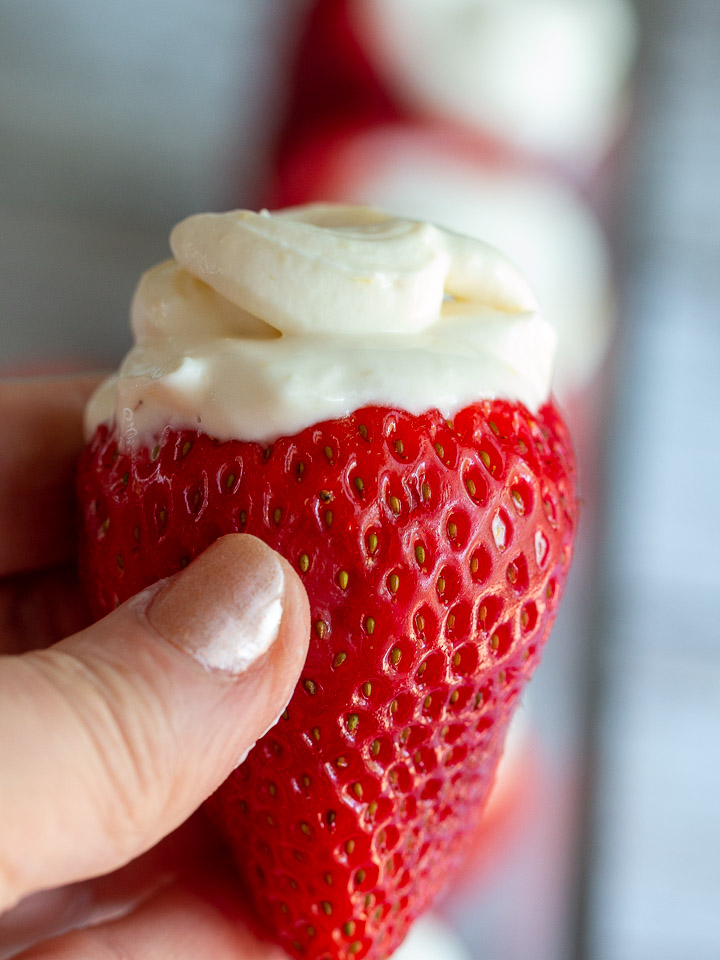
265	324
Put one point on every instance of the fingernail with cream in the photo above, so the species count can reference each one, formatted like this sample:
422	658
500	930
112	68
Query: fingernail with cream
225	609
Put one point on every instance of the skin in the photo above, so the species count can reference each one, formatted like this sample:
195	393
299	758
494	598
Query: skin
97	805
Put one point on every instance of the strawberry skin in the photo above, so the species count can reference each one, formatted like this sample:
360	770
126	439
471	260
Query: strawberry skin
434	555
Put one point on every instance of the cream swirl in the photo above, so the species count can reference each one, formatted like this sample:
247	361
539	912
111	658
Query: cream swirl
267	323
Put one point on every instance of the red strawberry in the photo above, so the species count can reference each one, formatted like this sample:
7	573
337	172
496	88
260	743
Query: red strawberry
434	555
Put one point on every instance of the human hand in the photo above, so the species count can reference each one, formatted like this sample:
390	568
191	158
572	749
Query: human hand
111	738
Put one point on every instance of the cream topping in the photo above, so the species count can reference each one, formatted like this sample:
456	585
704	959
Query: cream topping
264	324
549	232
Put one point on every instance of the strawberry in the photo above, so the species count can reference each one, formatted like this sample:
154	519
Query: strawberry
434	554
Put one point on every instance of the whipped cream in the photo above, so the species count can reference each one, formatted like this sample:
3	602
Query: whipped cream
547	74
264	324
548	231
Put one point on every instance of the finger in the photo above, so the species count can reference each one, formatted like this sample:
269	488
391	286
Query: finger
178	923
41	440
189	850
40	608
114	736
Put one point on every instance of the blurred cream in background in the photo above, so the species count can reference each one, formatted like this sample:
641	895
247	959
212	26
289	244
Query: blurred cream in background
548	75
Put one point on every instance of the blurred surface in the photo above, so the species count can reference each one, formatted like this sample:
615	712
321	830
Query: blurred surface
118	119
654	885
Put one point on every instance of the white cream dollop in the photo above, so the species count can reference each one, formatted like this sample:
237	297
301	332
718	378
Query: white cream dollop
545	227
267	323
548	75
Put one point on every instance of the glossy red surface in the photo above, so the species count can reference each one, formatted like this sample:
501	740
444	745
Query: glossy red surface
434	555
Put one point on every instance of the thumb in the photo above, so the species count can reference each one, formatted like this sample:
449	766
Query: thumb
111	738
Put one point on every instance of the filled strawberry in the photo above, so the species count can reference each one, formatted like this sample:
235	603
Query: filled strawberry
434	551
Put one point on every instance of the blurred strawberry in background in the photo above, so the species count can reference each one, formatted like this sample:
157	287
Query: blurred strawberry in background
549	77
